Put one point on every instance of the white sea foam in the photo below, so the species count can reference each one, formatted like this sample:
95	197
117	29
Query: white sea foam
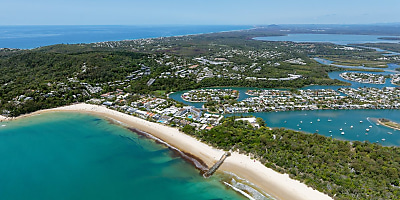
248	188
240	191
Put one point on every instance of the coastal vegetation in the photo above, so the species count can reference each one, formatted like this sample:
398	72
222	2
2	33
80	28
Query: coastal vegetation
395	47
341	169
136	76
58	75
389	38
373	61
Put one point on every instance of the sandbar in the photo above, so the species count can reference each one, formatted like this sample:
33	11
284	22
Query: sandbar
395	125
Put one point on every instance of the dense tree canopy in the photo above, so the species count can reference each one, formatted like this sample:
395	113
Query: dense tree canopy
341	169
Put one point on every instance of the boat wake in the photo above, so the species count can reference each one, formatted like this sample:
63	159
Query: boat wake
370	121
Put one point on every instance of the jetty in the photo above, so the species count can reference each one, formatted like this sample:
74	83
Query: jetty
214	168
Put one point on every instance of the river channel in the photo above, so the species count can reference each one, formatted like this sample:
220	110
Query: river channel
341	124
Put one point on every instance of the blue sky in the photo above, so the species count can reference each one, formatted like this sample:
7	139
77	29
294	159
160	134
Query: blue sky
205	12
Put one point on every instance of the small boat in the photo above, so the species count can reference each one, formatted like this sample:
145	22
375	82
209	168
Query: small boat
361	121
370	126
341	129
318	120
329	120
301	122
377	124
3	125
342	133
299	128
298	125
367	129
317	131
383	139
284	122
351	126
345	123
310	122
390	133
366	133
330	131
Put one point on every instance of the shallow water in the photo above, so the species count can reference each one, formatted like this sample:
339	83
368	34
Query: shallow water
77	156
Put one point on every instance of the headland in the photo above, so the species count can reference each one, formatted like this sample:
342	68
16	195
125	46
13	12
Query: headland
279	186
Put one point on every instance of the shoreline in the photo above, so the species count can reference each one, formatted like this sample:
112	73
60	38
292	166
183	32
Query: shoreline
250	27
279	186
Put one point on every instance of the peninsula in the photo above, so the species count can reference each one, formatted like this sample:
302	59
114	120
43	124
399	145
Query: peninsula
278	185
131	81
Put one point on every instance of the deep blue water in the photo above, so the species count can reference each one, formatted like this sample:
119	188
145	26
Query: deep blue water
28	37
72	156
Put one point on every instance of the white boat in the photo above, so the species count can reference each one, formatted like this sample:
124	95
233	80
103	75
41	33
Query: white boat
370	126
351	126
330	131
329	120
390	133
301	122
310	122
3	125
361	121
318	120
342	133
383	139
341	129
367	129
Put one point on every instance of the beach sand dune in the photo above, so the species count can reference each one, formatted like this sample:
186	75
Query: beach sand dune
279	186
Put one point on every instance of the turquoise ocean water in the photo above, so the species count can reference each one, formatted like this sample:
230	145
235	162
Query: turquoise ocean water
77	156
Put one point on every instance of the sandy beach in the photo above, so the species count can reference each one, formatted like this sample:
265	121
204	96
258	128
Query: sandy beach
279	186
383	124
2	118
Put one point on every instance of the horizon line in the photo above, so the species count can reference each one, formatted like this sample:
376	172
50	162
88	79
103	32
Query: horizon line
379	23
